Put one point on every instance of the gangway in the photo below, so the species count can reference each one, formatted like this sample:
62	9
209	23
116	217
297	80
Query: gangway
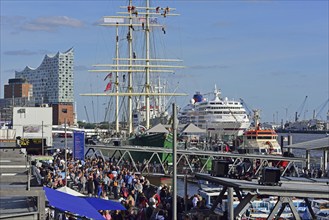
186	158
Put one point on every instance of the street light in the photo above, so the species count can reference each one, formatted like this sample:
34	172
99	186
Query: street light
42	145
65	153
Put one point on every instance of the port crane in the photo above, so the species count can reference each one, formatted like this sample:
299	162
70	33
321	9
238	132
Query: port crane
87	114
320	109
250	113
300	109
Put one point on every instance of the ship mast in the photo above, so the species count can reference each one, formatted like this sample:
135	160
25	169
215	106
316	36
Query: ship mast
130	80
131	19
256	118
147	64
117	82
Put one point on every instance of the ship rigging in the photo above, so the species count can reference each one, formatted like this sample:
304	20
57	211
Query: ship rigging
145	19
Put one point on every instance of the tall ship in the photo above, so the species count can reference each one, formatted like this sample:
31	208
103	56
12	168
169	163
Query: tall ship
133	77
222	118
158	109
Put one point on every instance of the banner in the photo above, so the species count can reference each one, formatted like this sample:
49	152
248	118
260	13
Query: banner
78	145
32	129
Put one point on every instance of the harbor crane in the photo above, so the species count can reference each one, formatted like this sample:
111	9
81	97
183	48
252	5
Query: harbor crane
300	109
320	109
250	113
87	114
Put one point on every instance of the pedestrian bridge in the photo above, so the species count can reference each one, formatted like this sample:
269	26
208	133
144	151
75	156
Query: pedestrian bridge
148	160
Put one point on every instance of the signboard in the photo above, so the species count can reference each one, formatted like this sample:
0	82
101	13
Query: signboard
32	142
32	145
78	145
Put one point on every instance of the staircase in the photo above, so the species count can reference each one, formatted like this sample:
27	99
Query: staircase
13	169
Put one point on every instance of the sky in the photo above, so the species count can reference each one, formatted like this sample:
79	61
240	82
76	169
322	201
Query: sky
272	54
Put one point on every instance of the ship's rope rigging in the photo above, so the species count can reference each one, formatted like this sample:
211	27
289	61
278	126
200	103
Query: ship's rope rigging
136	80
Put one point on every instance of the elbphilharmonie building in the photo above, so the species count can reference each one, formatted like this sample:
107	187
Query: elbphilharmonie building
53	84
53	80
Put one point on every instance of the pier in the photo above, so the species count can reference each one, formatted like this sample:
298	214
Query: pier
184	159
291	185
314	145
303	188
15	167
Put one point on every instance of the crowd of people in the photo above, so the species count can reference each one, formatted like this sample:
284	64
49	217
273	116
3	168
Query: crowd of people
96	177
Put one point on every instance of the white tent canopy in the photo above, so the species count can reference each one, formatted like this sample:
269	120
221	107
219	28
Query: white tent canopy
159	128
191	128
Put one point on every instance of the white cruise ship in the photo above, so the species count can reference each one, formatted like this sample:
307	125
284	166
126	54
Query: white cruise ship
220	117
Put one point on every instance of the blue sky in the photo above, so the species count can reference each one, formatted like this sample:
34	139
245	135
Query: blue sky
270	53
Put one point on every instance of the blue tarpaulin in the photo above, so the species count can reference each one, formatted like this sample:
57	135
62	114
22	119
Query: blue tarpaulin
102	204
73	204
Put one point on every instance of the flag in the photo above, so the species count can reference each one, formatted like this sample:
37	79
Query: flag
153	20
142	20
108	76
108	87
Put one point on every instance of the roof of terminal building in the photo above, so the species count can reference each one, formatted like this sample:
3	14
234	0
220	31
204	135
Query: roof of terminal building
318	144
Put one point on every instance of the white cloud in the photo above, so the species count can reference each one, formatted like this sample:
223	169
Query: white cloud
51	24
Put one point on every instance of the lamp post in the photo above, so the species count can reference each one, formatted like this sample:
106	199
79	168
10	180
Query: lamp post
174	160
65	153
42	145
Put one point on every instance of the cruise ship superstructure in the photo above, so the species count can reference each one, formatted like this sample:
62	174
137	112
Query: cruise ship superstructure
220	117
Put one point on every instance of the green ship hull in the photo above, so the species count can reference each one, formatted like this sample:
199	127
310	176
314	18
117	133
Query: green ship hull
157	140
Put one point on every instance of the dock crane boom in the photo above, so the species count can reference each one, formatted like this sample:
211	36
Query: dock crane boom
250	113
87	114
321	108
300	109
